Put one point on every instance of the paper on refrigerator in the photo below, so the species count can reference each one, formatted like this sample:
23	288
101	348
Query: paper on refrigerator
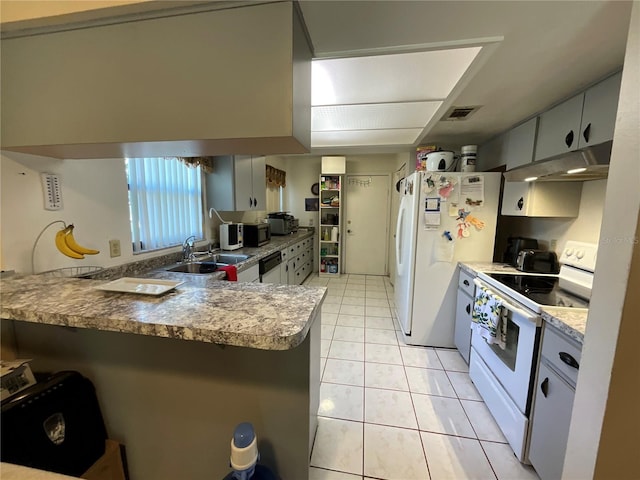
472	191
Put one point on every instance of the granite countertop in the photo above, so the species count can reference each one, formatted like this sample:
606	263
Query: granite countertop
203	308
159	263
570	321
474	268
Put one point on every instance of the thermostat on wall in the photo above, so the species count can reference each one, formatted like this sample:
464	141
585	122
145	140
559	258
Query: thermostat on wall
52	191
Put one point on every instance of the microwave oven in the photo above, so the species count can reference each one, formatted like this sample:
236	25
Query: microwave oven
231	236
256	234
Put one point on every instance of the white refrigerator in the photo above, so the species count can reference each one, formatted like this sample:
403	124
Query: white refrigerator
432	236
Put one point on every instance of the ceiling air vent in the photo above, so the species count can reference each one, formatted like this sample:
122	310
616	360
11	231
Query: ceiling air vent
456	114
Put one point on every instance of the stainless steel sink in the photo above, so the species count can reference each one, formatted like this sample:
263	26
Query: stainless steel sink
197	267
230	258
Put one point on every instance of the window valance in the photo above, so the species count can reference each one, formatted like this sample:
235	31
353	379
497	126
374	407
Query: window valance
205	163
276	177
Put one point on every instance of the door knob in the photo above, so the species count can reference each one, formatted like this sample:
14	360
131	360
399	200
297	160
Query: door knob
520	203
348	231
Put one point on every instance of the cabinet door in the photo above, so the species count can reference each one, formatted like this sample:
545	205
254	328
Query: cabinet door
259	183
559	128
550	425
599	112
515	198
462	333
492	153
291	272
542	199
243	177
520	144
284	273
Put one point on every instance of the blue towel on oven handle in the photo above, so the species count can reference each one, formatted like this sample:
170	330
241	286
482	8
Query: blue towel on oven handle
489	317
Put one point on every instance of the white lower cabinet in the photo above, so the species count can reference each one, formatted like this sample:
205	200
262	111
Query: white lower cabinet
464	304
251	274
297	262
553	403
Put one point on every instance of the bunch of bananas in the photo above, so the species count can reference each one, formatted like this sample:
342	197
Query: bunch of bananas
68	245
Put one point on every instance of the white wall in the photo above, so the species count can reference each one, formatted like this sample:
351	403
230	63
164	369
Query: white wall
605	422
585	228
94	194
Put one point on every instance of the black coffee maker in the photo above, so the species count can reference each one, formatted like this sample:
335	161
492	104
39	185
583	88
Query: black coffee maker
514	245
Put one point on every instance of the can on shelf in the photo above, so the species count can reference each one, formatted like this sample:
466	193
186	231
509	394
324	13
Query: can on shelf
468	158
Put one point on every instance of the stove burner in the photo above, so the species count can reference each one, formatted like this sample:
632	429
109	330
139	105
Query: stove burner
543	290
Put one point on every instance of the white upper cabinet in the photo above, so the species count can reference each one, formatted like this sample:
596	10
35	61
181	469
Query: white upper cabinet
520	144
585	119
238	183
599	111
541	199
559	128
491	154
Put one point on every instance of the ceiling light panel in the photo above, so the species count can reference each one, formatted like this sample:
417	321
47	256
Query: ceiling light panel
358	138
372	116
385	78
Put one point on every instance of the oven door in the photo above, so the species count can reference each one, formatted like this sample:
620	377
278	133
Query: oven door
513	367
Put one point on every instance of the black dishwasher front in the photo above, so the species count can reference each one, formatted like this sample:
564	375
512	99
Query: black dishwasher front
267	268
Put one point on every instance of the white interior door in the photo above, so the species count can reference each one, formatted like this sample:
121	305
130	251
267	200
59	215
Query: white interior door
366	225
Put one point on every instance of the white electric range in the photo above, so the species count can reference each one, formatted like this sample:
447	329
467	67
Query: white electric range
505	377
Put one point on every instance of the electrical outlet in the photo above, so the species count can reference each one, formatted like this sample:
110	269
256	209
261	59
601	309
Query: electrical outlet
553	243
114	248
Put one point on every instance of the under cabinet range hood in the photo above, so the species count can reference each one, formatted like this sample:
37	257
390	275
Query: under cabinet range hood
589	163
215	82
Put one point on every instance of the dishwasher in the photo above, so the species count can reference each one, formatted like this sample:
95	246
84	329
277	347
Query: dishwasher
269	268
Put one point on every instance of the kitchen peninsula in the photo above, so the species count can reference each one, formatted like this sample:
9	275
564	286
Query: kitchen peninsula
174	374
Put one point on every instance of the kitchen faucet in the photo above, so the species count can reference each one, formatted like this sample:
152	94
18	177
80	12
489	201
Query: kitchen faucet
187	249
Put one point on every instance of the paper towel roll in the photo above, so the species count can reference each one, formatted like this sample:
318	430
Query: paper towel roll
334	234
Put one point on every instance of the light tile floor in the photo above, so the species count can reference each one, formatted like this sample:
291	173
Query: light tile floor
393	411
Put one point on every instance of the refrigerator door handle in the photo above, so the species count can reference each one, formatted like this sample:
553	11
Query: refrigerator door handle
398	235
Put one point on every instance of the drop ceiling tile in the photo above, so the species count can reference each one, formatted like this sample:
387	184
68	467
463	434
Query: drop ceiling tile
372	116
345	138
401	77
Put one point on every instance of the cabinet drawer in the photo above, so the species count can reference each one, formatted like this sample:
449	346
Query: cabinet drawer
466	284
555	347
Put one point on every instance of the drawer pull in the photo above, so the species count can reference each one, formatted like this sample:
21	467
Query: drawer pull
544	387
468	309
466	283
569	360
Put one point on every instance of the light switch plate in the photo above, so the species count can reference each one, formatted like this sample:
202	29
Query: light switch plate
114	248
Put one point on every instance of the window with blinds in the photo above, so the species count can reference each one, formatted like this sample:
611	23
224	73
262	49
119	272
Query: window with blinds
165	202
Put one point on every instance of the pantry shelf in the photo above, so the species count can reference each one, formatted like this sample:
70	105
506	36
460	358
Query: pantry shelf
330	260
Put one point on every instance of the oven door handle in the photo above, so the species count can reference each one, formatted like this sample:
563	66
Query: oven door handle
509	306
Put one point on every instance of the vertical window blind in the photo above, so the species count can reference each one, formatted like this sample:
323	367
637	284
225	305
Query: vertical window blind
165	202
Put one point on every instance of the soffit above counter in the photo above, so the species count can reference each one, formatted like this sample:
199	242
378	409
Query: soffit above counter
233	81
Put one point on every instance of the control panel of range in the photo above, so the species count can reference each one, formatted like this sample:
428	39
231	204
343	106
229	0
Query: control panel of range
580	254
